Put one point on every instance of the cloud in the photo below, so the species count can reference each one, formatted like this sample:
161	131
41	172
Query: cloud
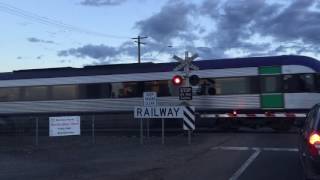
227	29
107	54
36	40
173	21
100	52
102	2
233	21
295	22
238	22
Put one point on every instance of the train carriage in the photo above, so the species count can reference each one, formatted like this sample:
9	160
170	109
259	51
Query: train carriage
241	88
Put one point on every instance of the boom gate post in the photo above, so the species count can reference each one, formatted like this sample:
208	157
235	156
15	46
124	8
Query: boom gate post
93	129
37	131
141	130
187	66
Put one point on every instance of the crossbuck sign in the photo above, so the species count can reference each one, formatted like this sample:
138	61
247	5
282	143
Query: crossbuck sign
186	63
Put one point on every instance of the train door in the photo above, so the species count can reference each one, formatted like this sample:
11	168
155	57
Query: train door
271	96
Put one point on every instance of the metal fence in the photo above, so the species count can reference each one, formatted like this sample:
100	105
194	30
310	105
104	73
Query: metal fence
33	131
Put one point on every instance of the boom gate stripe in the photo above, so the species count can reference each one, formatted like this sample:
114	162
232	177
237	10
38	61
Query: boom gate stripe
266	115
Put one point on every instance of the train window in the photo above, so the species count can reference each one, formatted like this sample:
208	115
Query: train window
308	82
140	88
223	86
271	84
130	89
95	91
116	90
238	85
298	83
317	82
125	90
9	94
161	87
36	93
206	87
149	86
64	92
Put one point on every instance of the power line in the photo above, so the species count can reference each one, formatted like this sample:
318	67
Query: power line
51	22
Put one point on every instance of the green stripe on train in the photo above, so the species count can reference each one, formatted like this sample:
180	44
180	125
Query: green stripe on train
270	70
272	101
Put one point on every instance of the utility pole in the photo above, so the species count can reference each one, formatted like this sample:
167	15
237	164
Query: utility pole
139	43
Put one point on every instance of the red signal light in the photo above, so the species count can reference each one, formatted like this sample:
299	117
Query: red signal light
177	80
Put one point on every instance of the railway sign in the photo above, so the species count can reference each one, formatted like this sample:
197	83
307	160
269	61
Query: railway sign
187	114
150	98
64	126
158	112
185	93
164	112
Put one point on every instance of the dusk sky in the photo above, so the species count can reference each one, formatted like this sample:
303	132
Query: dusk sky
59	33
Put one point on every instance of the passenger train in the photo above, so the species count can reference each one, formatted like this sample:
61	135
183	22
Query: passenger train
257	85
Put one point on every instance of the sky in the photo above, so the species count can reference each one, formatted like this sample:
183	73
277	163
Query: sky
74	33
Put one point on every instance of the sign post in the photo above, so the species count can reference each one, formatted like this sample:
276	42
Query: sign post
185	93
150	100
37	131
141	131
162	125
92	126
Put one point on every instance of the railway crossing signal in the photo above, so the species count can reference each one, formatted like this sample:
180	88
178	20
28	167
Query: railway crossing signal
185	93
177	80
194	80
